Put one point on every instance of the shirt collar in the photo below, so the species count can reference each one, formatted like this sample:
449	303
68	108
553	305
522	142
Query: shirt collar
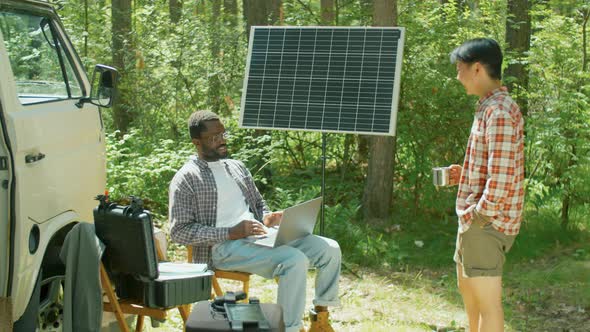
202	163
490	94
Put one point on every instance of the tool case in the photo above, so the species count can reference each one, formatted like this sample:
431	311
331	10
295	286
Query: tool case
203	318
132	263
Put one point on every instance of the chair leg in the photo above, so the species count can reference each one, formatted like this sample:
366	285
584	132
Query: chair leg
108	288
185	311
216	287
139	323
246	288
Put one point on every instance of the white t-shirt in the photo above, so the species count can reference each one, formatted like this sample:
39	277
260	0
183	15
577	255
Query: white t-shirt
231	203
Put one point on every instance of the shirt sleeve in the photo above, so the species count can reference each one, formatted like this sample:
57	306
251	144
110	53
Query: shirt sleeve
500	136
186	228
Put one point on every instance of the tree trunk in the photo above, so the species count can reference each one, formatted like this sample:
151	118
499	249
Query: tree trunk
258	12
518	39
366	14
123	61
175	8
379	185
86	33
201	8
585	17
328	12
275	12
255	13
230	11
214	91
567	187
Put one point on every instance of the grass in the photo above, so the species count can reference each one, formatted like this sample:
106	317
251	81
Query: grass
409	287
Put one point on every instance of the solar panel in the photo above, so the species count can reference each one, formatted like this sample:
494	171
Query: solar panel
327	79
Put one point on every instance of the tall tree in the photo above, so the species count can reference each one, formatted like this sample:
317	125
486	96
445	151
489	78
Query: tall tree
378	192
214	92
518	40
123	60
573	134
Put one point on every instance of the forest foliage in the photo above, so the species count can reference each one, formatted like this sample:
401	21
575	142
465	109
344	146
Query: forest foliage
176	65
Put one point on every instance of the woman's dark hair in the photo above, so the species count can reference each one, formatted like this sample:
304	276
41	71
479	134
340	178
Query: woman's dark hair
196	122
483	50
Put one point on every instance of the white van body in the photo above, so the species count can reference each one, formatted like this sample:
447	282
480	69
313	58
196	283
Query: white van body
52	155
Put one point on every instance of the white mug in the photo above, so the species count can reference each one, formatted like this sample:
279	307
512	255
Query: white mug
440	176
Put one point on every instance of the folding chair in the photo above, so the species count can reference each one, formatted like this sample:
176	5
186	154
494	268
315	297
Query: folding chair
130	264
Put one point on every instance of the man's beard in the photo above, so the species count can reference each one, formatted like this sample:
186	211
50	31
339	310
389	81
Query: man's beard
215	154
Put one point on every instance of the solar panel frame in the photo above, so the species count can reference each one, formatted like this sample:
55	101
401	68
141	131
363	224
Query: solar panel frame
342	109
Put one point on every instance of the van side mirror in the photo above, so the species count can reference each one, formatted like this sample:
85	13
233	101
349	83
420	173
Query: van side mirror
103	87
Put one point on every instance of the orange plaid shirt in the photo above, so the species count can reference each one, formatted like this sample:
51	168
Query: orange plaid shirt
493	171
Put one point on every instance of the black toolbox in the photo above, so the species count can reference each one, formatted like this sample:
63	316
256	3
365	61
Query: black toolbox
131	260
204	319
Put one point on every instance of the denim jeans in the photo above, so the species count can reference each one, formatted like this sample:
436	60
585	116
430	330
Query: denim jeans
290	263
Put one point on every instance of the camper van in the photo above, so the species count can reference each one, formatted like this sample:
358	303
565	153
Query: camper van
52	158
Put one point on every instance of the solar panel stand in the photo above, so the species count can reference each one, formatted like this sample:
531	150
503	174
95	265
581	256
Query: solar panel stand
323	210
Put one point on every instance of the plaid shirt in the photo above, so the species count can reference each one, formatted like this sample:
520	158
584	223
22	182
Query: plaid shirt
492	179
193	205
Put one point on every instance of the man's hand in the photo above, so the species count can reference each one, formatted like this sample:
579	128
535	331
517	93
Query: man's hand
272	219
246	228
454	174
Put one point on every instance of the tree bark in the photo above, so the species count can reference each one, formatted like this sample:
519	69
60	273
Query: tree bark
518	39
123	61
378	191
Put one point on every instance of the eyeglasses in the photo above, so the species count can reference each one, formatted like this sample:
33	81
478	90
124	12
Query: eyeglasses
215	139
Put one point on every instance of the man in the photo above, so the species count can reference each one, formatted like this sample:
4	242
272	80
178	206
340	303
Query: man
490	196
215	206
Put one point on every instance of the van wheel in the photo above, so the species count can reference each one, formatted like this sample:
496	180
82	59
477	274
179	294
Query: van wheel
51	313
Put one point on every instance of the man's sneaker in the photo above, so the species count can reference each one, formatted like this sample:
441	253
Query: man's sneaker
319	321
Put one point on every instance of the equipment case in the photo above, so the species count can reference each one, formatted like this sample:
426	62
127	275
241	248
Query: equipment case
131	260
203	318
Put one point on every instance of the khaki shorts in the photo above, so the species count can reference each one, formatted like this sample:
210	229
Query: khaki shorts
481	251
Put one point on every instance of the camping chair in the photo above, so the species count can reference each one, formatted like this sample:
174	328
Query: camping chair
243	277
130	264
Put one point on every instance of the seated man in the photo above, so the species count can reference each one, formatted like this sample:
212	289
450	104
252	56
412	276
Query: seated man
215	206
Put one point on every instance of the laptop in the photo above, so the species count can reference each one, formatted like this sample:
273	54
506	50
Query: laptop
297	222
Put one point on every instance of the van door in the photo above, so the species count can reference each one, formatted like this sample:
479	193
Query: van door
58	147
5	181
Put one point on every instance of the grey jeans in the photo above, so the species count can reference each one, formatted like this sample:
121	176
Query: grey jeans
290	263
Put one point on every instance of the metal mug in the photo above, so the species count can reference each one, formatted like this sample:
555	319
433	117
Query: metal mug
440	176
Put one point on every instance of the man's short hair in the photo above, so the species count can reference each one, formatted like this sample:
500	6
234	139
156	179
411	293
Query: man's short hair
196	122
483	50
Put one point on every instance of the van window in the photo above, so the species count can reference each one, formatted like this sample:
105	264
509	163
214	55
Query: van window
42	70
